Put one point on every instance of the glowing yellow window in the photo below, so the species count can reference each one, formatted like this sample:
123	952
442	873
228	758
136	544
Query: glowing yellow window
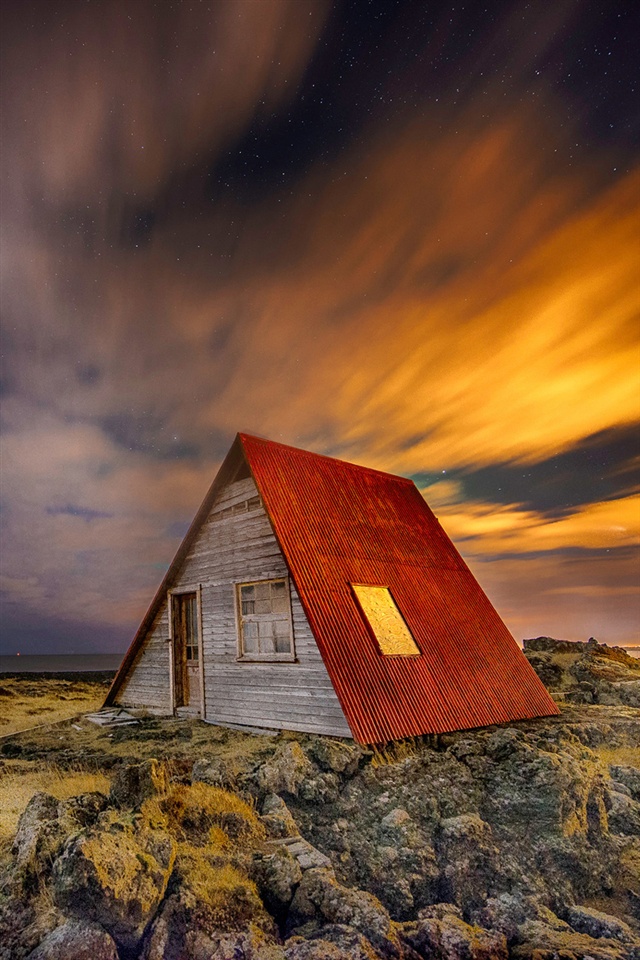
386	621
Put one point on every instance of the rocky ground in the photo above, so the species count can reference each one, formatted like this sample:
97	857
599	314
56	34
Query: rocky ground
518	841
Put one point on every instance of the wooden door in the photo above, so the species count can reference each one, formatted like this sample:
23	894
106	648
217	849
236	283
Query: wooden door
186	651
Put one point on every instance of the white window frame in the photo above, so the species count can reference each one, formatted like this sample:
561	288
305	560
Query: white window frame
240	620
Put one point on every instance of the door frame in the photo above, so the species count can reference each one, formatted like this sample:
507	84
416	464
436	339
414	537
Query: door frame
175	592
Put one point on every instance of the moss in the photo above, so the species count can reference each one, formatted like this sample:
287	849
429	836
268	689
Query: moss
191	812
228	897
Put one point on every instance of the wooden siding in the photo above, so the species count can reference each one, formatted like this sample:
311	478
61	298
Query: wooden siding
148	682
240	547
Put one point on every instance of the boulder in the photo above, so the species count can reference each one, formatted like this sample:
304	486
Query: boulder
320	896
443	935
277	818
170	939
508	912
76	941
323	788
38	838
116	875
535	786
24	923
286	770
43	829
210	898
539	941
276	873
136	782
629	776
215	771
468	858
597	924
336	756
624	814
84	809
334	942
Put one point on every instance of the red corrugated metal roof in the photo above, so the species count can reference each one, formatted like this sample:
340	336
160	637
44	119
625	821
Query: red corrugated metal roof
338	524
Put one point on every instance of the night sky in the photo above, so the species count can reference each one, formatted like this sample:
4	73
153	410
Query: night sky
406	234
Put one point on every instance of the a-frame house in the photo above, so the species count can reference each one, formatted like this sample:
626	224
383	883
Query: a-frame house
315	595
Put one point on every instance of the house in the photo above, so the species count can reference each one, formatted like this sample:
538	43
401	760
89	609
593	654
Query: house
315	595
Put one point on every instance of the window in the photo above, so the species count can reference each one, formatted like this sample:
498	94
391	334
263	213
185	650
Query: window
386	621
264	620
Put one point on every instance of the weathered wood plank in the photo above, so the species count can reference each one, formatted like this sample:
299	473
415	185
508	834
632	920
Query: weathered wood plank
298	696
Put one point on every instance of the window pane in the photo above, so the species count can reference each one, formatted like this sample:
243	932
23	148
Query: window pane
262	606
283	645
247	607
280	604
250	644
267	642
247	591
262	591
251	629
278	588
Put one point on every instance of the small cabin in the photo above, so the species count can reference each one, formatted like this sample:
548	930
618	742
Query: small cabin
316	595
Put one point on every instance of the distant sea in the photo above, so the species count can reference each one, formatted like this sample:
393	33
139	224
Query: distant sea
92	663
69	663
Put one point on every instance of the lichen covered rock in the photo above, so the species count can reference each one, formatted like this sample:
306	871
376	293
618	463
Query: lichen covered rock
116	875
76	941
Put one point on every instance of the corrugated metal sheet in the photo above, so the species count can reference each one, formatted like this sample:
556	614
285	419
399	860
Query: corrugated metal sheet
338	524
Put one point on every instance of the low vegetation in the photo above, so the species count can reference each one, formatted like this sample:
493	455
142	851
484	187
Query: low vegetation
28	701
510	843
19	782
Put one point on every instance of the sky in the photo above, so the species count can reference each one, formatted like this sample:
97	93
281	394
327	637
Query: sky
405	234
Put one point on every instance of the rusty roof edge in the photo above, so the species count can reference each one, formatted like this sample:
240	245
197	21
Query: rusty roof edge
228	465
324	456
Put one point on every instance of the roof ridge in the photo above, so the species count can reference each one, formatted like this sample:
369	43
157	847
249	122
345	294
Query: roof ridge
325	456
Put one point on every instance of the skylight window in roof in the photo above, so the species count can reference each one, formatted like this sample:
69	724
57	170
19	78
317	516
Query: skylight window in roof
388	625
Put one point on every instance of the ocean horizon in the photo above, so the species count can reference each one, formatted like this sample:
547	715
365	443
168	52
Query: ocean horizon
97	662
60	663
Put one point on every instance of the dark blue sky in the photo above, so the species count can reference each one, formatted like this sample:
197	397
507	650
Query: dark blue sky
400	233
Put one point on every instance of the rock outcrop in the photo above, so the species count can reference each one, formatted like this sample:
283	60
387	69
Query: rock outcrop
588	672
511	843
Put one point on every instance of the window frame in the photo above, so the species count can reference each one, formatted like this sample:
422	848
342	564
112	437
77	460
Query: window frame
250	657
371	628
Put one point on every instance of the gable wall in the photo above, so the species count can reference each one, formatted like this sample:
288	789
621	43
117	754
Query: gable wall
293	696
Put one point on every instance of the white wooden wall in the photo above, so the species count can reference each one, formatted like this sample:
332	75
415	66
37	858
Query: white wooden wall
291	696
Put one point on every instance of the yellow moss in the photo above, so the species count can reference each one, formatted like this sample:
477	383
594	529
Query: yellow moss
114	860
121	866
153	814
618	756
229	897
192	811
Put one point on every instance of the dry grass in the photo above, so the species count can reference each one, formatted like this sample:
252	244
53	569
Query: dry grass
203	814
27	703
226	894
619	756
18	785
